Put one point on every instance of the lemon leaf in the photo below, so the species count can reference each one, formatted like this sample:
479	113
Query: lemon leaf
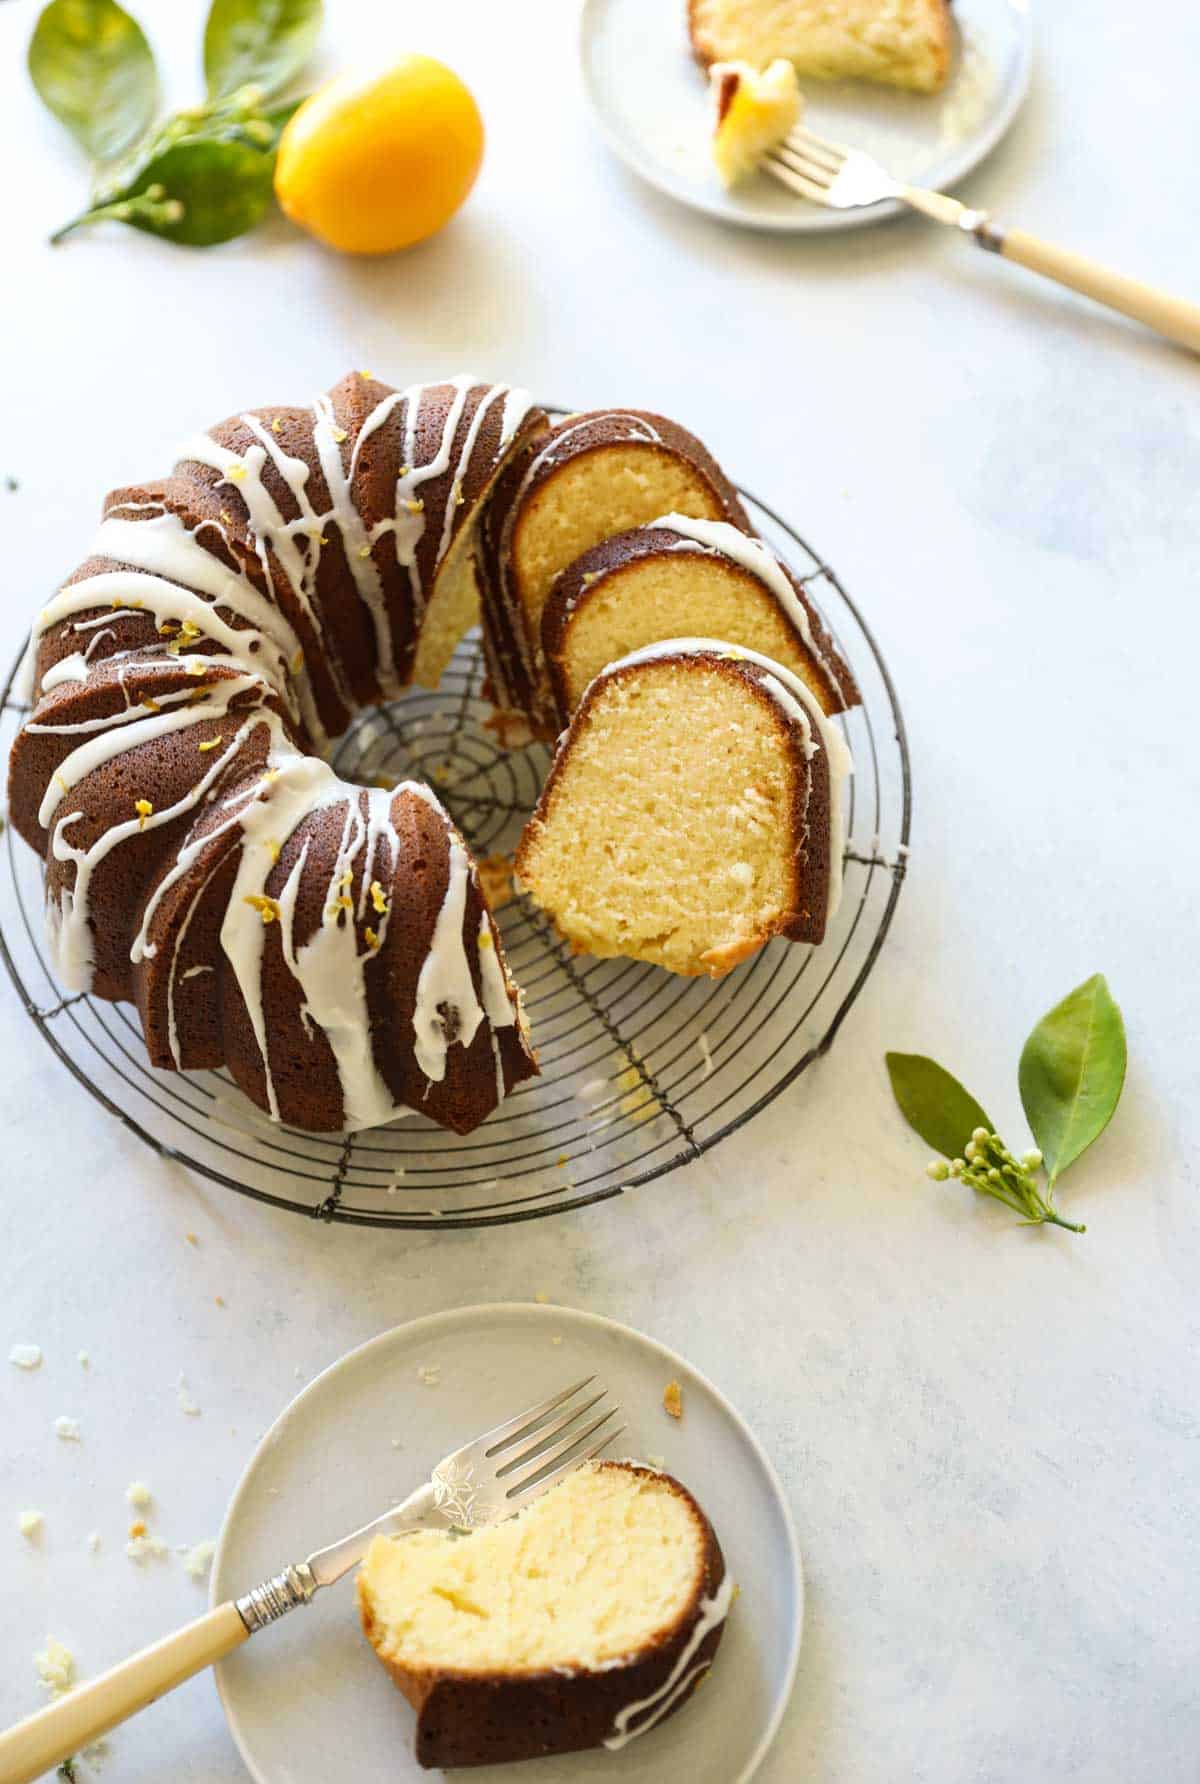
258	43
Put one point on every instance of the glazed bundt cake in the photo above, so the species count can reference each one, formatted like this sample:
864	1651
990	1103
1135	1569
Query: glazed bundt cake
582	1622
693	811
580	482
902	43
328	943
753	113
679	578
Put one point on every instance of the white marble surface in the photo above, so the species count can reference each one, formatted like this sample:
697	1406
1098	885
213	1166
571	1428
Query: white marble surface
990	1437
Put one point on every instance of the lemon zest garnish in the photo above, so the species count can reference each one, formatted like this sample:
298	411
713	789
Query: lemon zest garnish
485	938
211	744
267	908
378	900
415	505
235	473
277	426
149	704
366	376
372	939
195	666
62	783
297	662
187	634
143	808
347	879
339	434
226	516
364	551
272	848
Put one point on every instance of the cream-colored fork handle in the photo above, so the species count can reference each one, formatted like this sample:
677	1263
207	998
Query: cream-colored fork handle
1173	317
45	1739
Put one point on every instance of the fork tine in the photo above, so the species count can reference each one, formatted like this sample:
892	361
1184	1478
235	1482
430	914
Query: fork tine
810	137
780	171
549	1435
816	171
801	142
564	1458
502	1437
560	1473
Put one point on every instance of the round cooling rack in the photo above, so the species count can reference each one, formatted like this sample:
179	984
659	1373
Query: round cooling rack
641	1071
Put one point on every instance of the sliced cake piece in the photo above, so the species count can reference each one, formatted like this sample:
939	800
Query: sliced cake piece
684	578
582	1622
693	811
901	43
753	111
589	477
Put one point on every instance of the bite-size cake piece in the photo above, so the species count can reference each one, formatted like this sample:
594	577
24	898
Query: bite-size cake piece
753	113
584	1621
693	811
680	578
581	481
900	43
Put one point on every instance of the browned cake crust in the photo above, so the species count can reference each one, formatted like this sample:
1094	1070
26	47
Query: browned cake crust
467	1719
516	682
589	576
246	608
706	51
809	828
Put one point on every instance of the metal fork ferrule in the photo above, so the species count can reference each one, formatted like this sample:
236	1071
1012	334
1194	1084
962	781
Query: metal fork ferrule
276	1597
988	234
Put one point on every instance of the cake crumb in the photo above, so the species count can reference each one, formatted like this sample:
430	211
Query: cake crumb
93	1541
219	1300
191	1238
138	1494
184	1399
29	1523
25	1356
556	1341
495	880
198	1560
55	1665
83	1359
658	1462
67	1429
429	1374
145	1548
673	1400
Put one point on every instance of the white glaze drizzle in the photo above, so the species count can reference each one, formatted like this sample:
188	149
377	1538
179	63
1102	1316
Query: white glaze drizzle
172	575
713	1611
795	699
726	540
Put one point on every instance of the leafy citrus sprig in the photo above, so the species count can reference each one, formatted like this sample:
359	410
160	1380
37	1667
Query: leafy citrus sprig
1070	1076
204	174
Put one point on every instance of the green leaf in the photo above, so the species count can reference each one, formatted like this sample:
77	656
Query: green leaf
258	43
934	1103
197	191
1071	1073
94	69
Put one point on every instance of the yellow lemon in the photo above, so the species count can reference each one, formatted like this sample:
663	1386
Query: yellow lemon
373	164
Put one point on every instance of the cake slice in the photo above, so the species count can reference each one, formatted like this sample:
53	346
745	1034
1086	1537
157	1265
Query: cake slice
754	112
900	43
588	477
582	1622
693	811
684	578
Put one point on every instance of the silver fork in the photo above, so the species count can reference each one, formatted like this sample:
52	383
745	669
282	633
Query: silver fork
484	1482
844	179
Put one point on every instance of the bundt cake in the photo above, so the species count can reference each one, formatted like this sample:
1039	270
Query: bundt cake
901	43
327	942
578	483
582	1622
677	578
693	811
753	112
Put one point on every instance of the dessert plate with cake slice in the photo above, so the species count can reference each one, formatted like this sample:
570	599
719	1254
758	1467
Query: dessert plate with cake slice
678	1547
927	89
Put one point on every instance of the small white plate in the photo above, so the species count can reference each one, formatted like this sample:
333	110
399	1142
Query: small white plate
651	101
307	1701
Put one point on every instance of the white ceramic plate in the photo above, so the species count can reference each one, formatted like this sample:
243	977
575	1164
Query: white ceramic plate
651	101
308	1702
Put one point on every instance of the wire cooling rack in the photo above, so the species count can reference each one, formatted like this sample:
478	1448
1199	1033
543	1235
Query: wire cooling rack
641	1071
